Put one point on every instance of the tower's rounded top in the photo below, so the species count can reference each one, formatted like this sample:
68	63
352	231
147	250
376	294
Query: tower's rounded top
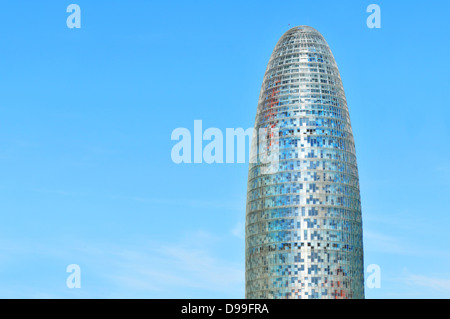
302	34
302	29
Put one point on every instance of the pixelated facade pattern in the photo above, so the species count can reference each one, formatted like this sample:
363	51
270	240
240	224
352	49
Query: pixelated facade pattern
303	221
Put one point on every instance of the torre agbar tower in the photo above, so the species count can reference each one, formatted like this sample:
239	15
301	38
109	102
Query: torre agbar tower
303	219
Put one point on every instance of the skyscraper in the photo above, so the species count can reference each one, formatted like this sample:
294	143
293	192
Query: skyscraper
303	219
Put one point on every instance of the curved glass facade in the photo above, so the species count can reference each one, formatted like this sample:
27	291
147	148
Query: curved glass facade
303	219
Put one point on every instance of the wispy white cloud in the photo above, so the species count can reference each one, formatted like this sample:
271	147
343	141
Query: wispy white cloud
195	203
169	269
189	268
439	285
380	242
387	243
235	205
57	192
239	230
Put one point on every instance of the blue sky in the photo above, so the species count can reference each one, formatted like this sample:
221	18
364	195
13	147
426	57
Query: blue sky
86	116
